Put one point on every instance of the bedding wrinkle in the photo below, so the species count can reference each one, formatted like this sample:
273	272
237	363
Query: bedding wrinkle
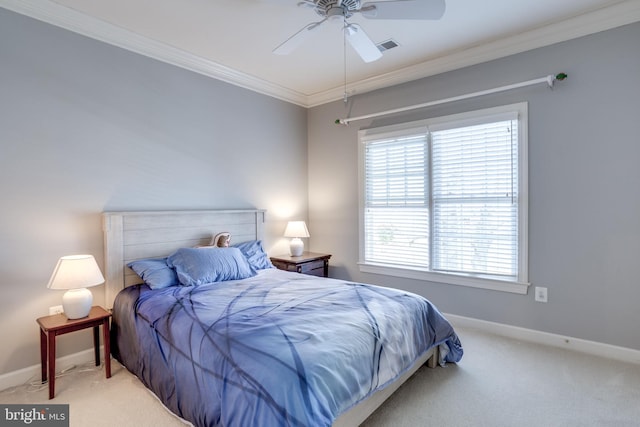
377	343
275	349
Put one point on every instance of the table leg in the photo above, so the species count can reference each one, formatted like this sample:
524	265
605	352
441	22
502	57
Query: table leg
51	344
107	347
96	344
43	355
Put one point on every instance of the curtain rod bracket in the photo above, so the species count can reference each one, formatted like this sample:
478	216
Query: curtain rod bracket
550	80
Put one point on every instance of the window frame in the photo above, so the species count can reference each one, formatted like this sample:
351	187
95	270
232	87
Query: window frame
518	286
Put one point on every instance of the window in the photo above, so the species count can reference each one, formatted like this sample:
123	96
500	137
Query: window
445	199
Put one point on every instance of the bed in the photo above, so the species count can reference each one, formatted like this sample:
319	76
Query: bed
247	344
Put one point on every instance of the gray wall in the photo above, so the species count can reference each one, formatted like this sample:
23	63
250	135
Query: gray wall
86	127
584	214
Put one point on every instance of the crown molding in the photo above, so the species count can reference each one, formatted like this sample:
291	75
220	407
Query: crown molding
619	14
596	21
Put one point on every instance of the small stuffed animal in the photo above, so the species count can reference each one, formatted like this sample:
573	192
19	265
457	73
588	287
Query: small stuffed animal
221	240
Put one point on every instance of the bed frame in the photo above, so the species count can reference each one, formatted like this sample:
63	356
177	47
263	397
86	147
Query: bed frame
136	235
129	236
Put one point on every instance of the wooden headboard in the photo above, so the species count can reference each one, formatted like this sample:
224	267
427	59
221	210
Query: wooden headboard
130	236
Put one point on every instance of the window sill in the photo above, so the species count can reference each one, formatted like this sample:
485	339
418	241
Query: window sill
449	279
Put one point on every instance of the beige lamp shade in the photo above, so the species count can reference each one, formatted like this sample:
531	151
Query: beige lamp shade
76	273
296	229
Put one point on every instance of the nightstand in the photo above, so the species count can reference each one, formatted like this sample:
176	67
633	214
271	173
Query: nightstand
58	324
311	263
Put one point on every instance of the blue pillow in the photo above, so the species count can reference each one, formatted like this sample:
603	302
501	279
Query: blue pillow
196	266
155	272
255	254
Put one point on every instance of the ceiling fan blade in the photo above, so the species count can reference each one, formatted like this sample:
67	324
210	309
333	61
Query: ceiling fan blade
404	9
306	3
297	39
361	43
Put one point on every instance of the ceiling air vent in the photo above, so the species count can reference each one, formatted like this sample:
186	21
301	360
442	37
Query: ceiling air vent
386	45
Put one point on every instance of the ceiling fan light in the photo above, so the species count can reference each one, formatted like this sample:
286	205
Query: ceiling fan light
336	21
336	17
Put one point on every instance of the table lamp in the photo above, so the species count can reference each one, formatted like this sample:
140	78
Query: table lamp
296	230
76	273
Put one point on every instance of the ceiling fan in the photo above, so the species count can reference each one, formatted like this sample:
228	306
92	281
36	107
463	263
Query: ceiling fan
339	11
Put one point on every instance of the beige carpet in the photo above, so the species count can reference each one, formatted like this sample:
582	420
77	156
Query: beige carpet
499	382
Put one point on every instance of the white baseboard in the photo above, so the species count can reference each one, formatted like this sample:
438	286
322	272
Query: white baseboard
33	373
622	354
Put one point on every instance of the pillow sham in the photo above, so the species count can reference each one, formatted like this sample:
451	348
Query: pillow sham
255	254
155	272
197	266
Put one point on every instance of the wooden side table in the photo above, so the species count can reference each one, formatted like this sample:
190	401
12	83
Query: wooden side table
58	324
311	263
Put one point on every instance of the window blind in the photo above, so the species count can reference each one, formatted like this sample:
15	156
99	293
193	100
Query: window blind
444	200
475	200
397	201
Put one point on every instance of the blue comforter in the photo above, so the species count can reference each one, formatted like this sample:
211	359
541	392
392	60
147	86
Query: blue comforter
278	349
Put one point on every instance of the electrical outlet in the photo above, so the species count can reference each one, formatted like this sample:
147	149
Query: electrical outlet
56	309
541	294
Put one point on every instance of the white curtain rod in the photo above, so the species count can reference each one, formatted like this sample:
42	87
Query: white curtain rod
550	79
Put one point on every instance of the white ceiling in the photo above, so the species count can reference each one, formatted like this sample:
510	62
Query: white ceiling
232	40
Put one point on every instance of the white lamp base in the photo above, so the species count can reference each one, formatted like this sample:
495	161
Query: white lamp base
76	303
296	247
